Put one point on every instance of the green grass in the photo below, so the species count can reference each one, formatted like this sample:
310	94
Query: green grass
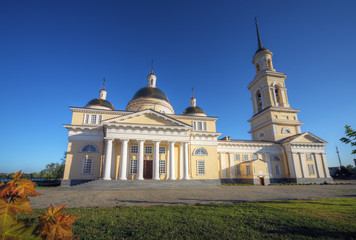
308	219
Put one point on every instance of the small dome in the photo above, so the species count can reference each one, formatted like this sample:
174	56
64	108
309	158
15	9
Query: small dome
99	103
197	111
150	92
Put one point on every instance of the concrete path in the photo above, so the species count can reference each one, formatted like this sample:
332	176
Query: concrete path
223	194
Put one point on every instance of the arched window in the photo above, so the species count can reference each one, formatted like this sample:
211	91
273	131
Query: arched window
276	159
257	67
269	64
89	148
277	92
200	152
261	134
286	130
259	100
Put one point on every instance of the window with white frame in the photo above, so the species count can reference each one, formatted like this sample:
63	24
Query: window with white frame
276	159
254	156
87	167
162	166
200	126
148	149
134	149
248	170
278	170
238	170
162	150
201	167
309	156
245	157
89	148
311	169
92	118
237	157
200	152
133	166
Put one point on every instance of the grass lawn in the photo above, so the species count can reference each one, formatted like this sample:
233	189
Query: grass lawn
300	219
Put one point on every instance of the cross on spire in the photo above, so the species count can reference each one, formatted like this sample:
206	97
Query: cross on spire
258	35
152	66
103	83
192	92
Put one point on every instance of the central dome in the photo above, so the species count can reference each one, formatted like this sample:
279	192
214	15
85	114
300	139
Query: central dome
150	97
150	92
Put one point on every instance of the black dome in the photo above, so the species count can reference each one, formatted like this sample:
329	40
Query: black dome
193	110
150	92
100	102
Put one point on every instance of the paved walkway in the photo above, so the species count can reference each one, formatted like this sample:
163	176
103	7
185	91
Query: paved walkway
224	194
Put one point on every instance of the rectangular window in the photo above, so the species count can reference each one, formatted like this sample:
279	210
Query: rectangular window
238	170
237	157
100	119
248	170
148	149
201	126
278	170
162	166
245	157
254	156
134	149
309	157
201	167
93	119
162	150
311	169
133	167
87	166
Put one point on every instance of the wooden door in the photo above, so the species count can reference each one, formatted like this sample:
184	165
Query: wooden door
262	181
148	169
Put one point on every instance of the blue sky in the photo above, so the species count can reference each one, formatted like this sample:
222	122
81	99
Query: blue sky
54	54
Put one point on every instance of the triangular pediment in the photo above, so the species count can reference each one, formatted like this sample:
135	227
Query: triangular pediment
308	138
146	117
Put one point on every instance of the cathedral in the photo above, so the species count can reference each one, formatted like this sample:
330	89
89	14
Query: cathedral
150	141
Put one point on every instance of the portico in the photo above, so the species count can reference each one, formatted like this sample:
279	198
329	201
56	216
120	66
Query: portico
138	152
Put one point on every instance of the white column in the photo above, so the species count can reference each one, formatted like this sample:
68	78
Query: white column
317	166
172	169
223	165
181	157
123	161
186	161
156	161
140	160
303	164
325	164
232	167
108	159
295	159
270	171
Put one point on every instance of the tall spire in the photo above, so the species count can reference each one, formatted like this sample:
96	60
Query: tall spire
193	100
192	92
151	78
103	83
152	66
258	35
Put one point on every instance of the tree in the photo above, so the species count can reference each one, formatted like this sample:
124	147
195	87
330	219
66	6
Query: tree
350	137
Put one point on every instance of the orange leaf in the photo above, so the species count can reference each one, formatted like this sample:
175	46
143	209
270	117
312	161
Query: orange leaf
25	188
55	224
17	175
7	216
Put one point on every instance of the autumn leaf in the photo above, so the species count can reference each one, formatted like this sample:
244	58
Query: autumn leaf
17	175
25	188
55	224
21	230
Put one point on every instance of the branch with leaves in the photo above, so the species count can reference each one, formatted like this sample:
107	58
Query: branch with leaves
54	224
350	137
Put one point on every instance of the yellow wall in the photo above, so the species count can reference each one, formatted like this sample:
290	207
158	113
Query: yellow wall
211	163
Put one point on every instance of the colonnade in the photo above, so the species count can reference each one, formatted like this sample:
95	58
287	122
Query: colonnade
139	176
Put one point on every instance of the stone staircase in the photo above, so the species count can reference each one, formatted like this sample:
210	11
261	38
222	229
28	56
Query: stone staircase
145	184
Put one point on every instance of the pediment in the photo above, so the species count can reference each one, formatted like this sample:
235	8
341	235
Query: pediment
308	138
146	117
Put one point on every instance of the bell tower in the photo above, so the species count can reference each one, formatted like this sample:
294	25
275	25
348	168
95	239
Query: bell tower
273	118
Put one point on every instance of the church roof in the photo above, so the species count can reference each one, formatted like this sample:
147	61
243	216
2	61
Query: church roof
150	92
99	102
193	110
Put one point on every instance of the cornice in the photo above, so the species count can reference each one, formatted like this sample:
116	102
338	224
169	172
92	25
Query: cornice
82	127
276	109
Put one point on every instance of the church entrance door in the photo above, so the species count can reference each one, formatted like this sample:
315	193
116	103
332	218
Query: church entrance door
148	169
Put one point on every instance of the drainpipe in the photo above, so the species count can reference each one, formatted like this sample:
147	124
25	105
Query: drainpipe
286	157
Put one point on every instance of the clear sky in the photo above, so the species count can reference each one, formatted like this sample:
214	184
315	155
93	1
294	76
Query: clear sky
54	54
